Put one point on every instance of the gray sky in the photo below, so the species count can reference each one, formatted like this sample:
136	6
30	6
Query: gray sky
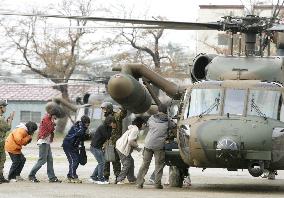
176	10
173	9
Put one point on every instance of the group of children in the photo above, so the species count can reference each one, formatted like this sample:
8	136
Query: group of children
109	131
22	135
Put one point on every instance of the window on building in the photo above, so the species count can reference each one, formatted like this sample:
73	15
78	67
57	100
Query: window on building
26	116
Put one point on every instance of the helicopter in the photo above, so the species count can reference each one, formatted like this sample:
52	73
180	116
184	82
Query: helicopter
232	116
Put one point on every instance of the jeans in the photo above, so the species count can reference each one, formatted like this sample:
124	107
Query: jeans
18	162
45	156
98	174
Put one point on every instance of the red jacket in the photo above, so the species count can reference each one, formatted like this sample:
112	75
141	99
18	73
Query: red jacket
46	128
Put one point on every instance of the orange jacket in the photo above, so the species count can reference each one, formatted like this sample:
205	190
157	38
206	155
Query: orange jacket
16	139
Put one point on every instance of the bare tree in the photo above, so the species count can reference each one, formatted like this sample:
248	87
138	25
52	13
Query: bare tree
51	53
137	39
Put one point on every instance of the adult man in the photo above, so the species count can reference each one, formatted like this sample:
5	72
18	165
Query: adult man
116	133
154	144
5	125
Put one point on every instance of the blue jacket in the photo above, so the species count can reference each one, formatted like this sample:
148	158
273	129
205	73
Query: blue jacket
75	135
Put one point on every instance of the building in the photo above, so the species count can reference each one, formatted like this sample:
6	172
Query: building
212	41
29	100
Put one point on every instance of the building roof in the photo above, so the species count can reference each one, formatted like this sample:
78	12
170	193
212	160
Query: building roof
32	92
221	6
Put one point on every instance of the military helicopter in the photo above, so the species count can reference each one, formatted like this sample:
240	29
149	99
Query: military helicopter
232	116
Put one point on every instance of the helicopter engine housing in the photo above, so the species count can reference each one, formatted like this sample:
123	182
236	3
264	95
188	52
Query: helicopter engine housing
128	92
200	62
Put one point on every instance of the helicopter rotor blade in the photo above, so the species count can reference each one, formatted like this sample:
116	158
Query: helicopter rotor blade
109	27
277	27
160	24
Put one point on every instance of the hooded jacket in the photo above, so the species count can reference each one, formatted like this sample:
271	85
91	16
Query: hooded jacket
75	135
102	134
123	144
16	139
158	131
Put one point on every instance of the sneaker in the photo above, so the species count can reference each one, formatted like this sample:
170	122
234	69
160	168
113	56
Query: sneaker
13	180
120	182
93	181
33	179
187	182
19	178
55	180
102	182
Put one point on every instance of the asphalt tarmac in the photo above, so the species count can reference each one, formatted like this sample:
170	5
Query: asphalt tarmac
208	183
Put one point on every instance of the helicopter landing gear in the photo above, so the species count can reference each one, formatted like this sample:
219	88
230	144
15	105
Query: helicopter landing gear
175	177
179	177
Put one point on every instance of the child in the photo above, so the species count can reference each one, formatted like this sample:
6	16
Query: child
19	137
124	146
45	138
71	142
102	134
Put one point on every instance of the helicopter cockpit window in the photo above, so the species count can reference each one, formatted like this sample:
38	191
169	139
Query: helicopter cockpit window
264	103
234	101
204	102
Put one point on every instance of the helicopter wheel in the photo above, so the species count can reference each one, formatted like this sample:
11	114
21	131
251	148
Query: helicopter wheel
175	177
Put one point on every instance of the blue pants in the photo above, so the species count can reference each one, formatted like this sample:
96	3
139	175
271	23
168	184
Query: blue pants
73	159
98	174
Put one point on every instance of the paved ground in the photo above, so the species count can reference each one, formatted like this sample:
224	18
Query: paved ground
210	183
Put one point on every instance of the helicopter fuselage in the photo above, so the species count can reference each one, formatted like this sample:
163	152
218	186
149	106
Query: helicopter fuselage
232	124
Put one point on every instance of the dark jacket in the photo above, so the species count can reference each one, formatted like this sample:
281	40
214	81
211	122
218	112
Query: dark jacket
102	134
75	135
